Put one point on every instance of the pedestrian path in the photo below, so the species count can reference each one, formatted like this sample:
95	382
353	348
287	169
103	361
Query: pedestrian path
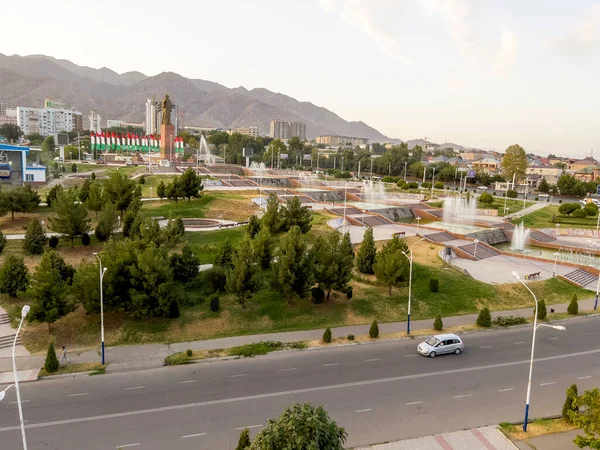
485	438
528	210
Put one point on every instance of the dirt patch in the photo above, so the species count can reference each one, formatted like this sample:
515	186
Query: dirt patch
236	210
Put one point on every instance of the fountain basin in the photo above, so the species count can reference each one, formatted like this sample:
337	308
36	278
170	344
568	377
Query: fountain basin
200	223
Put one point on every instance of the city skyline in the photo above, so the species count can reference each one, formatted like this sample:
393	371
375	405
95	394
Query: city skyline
484	75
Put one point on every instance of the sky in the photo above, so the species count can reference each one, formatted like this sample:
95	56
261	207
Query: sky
481	73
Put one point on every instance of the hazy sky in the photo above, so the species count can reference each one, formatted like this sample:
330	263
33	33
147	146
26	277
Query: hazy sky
477	72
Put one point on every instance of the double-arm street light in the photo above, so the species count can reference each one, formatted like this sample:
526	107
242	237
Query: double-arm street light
410	262
535	327
102	272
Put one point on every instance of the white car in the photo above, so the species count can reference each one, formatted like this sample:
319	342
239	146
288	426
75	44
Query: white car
440	344
544	195
482	188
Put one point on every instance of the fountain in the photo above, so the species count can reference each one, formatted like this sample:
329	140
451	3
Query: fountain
308	179
258	168
373	191
519	238
459	211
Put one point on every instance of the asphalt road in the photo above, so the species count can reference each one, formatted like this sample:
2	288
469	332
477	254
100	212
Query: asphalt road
379	392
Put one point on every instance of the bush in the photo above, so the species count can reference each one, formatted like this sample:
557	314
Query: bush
256	348
318	295
506	321
188	352
51	365
438	325
484	319
14	276
2	241
438	185
350	337
327	336
173	309
100	234
374	330
349	292
53	241
216	278
570	405
85	239
426	185
486	198
542	311
511	193
244	441
214	303
580	213
35	238
142	180
560	201
536	199
573	307
434	285
413	185
590	210
402	184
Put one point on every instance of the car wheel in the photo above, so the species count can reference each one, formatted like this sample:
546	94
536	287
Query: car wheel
457	351
432	355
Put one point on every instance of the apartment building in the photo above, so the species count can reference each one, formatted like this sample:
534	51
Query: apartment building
48	121
247	131
282	129
154	116
336	140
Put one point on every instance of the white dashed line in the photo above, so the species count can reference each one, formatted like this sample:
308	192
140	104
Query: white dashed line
362	410
330	364
412	403
127	445
553	338
77	395
287	370
548	384
188	381
409	356
461	396
580	378
520	342
506	390
486	346
22	401
250	426
374	359
134	387
239	375
192	435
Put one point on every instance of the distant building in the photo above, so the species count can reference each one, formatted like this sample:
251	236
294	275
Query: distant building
545	170
336	140
113	123
48	121
8	115
247	131
95	120
581	164
284	130
154	116
14	169
3	107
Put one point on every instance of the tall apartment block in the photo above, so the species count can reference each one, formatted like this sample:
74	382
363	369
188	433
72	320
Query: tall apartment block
282	129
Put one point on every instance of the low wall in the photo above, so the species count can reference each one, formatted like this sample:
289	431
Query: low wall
572	232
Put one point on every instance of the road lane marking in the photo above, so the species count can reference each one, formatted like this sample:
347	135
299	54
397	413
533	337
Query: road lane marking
238	375
409	356
374	359
362	410
412	403
77	395
330	364
580	378
553	338
548	384
486	346
134	387
462	396
287	370
506	390
192	435
188	381
249	426
22	401
354	384
520	342
127	445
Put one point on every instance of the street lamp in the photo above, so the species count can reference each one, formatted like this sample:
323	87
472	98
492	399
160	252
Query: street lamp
3	393
410	262
597	290
24	312
557	227
556	255
119	219
476	241
418	220
535	327
102	272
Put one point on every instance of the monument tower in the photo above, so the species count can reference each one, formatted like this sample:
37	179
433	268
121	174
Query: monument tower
167	130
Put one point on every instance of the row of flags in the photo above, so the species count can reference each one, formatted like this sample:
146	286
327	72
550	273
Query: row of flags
130	142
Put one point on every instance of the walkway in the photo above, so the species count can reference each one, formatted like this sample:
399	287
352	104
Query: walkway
530	209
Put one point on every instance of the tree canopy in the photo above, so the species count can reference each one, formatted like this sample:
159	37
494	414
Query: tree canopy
11	131
120	190
391	266
514	162
333	263
294	214
366	253
293	273
71	215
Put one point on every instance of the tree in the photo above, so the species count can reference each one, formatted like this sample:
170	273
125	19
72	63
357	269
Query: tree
48	145
294	214
484	319
48	288
35	238
263	248
438	325
94	201
173	231
240	279
244	441
374	330
224	256
84	190
333	264
570	402
191	184
71	216
573	307
567	185
590	210
174	190
544	187
566	209
367	253
120	190
391	266
107	222
293	273
486	198
301	427
14	276
542	312
185	265
11	131
514	162
51	364
271	219
161	190
2	241
327	336
53	193
586	415
346	246
19	199
253	226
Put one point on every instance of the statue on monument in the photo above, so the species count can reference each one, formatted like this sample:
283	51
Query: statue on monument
166	110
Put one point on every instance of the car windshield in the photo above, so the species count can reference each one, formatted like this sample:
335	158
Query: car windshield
432	341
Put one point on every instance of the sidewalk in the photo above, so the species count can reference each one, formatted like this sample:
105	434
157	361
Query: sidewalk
139	357
558	441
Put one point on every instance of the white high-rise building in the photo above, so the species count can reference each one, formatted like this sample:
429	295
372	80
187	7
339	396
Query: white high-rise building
150	124
95	119
282	129
48	121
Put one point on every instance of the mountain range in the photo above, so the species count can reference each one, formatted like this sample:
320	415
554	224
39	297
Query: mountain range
26	80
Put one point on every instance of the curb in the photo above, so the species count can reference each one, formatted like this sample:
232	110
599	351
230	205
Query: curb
64	375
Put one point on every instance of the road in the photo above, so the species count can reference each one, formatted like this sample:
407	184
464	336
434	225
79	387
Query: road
379	392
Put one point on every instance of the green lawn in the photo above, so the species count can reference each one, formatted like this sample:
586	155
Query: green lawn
542	218
206	243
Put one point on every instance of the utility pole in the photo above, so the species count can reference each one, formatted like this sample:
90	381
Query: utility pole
79	142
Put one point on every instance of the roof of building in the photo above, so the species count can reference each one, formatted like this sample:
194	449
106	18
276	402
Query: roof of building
487	161
588	160
588	169
14	148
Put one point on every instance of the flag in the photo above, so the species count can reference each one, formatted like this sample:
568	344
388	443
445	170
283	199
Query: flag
137	143
92	141
102	141
119	138
128	142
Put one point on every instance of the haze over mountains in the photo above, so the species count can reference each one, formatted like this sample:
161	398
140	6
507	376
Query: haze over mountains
25	81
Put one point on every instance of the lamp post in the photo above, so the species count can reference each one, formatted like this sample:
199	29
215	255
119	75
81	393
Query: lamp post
535	327
345	203
432	182
102	272
557	227
597	290
119	221
476	241
171	148
24	312
418	220
556	255
150	192
405	164
410	262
